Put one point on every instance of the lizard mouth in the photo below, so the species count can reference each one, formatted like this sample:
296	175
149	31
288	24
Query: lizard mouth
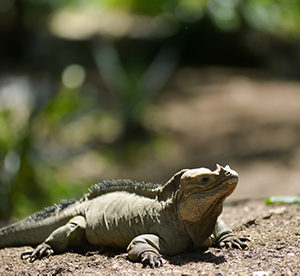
229	185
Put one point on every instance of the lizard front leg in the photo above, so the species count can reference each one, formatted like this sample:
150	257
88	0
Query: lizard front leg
223	236
69	235
145	249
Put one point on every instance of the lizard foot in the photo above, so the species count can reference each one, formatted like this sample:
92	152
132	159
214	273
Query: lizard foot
234	242
42	250
151	259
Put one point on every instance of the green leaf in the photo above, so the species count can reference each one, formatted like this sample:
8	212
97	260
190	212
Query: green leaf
283	199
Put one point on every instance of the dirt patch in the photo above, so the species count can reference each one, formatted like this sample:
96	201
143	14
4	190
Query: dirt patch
274	249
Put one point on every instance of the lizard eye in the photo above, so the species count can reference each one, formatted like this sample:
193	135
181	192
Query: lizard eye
205	179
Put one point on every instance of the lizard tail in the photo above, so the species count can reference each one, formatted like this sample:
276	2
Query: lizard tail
35	229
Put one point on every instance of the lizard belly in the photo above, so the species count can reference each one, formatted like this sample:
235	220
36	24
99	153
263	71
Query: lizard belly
114	219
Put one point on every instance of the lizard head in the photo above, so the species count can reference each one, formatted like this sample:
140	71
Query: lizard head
202	191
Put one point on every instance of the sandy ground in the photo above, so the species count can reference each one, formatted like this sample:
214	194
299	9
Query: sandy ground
274	250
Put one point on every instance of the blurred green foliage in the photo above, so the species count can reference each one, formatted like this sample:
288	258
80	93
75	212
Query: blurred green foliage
28	162
280	17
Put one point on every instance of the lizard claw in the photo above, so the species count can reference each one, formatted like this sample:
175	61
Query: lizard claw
42	250
234	242
151	259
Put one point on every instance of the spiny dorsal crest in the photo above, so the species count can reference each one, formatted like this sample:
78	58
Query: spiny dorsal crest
48	211
51	209
38	216
126	185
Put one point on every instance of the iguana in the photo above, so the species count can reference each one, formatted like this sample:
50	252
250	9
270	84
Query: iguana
147	219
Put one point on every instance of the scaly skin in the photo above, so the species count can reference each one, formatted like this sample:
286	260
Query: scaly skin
148	220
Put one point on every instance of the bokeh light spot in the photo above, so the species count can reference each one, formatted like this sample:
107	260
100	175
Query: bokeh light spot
73	76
